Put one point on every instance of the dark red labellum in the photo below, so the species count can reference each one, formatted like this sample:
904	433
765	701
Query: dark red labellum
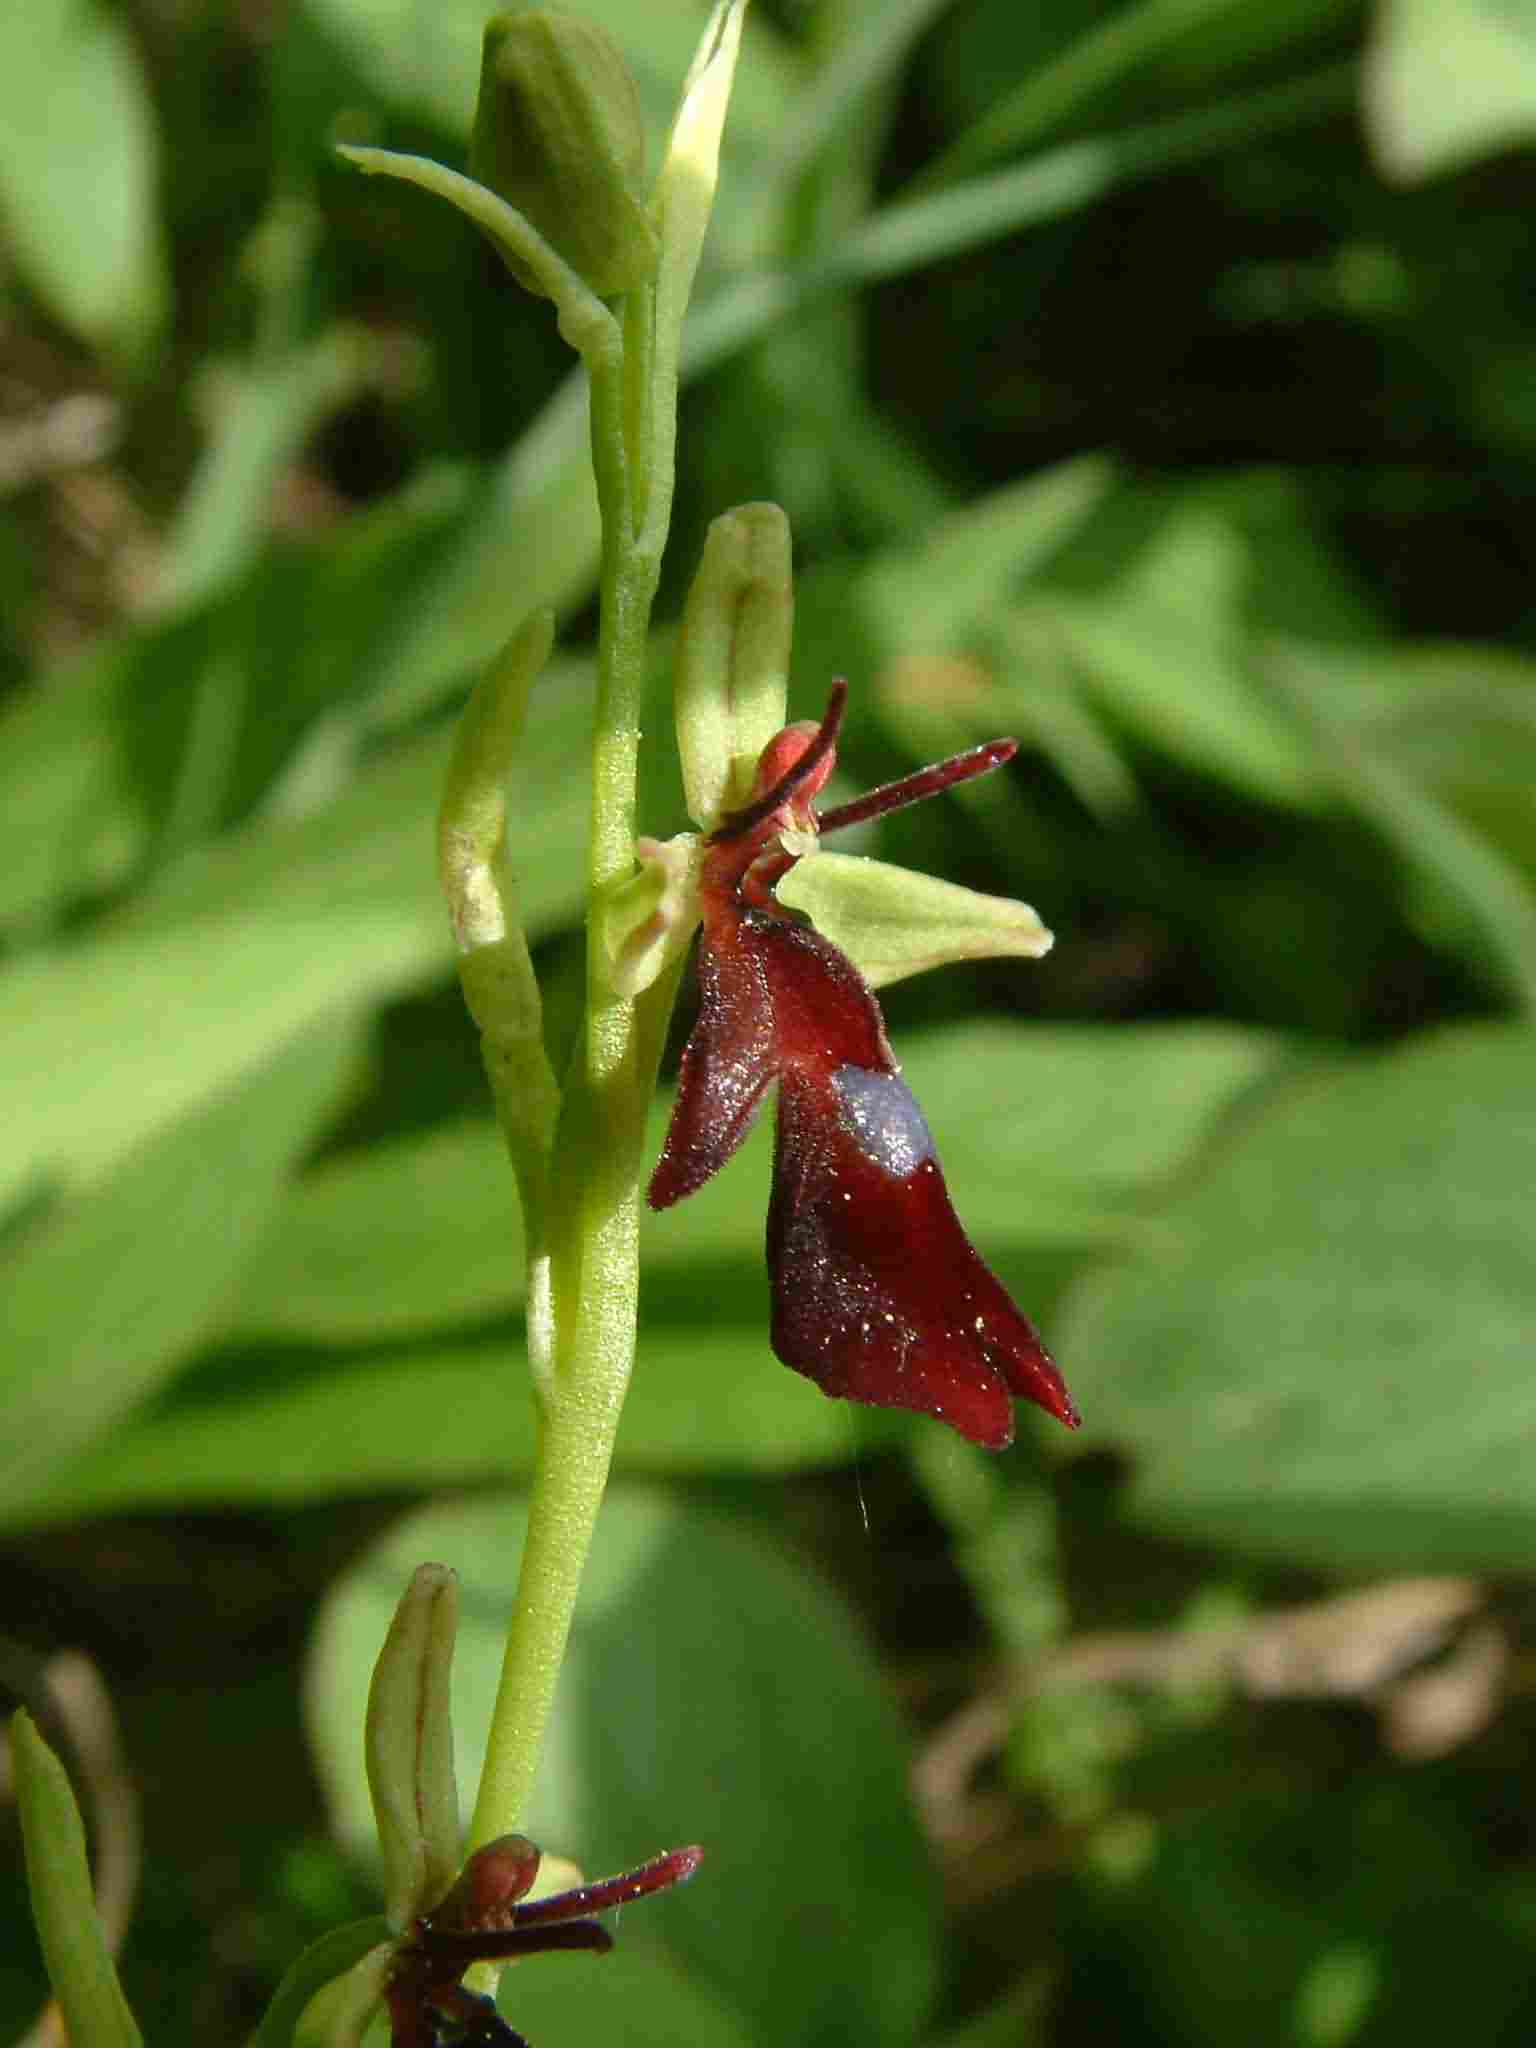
878	1294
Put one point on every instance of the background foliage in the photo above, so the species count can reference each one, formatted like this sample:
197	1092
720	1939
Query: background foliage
1152	380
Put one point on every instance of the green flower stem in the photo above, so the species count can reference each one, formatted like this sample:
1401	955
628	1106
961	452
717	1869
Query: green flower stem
594	1204
598	1155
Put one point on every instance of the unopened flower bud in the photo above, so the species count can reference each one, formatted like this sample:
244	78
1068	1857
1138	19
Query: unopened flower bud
559	135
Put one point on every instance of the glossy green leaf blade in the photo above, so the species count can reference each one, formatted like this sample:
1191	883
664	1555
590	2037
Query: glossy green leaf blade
108	1292
77	171
694	1706
80	1964
1323	1347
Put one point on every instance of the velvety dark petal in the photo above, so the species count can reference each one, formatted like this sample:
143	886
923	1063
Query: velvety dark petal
452	1954
878	1295
727	1066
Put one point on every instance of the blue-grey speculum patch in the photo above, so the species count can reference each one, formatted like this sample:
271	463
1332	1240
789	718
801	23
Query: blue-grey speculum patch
885	1120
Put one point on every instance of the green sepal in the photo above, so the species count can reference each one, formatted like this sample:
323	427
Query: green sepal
648	921
559	135
80	1965
408	1745
341	2012
731	676
361	1946
892	922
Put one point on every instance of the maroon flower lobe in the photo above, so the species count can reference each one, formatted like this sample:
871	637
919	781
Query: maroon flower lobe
878	1295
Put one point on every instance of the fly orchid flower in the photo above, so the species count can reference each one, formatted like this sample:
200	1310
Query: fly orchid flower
486	1917
878	1294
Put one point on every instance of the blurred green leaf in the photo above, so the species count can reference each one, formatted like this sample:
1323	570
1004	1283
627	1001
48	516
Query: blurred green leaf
912	234
1495	905
1163	602
1321	1346
75	820
638	1995
531	528
262	415
714	1692
161	735
980	556
1089	68
106	1293
78	169
1052	1137
1461	721
1448	81
1056	1144
249	940
283	1427
1017	2020
1303	1922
